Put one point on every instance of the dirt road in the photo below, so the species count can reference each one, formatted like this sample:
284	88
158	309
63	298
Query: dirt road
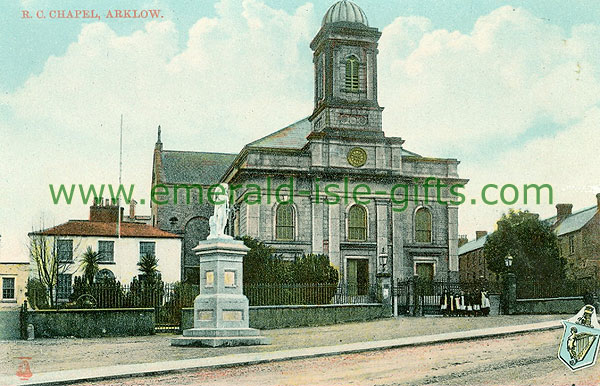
516	360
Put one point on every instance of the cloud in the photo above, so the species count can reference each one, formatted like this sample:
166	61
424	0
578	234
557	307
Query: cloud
459	90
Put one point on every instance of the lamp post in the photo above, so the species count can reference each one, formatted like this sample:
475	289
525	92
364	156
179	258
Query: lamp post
384	278
510	286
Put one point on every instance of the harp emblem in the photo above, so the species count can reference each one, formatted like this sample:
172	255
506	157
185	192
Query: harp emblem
579	344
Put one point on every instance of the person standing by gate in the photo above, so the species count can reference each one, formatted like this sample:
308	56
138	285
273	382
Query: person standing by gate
485	303
444	303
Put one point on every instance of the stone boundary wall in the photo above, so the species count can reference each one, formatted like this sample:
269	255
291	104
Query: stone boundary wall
92	323
566	305
9	324
270	317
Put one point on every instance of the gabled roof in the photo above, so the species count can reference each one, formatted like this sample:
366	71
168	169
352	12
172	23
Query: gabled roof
190	167
472	245
575	221
294	137
290	137
105	229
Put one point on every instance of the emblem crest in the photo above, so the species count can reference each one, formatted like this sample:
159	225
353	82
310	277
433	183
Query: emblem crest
579	343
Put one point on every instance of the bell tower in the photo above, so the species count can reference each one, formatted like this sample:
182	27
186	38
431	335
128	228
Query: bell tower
345	63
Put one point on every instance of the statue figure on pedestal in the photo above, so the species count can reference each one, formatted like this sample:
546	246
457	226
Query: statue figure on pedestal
218	220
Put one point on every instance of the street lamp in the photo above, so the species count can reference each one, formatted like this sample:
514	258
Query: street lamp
508	260
510	286
383	259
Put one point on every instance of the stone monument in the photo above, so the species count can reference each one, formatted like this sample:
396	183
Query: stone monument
221	309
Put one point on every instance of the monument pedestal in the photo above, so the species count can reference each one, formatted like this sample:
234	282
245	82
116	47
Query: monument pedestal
221	315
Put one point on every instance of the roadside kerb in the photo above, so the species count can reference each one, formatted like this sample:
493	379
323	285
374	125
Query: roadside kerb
160	368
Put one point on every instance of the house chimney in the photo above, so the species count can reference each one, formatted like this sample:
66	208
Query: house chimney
462	240
563	211
132	204
105	213
480	234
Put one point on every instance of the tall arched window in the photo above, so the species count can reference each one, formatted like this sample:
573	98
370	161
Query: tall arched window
284	222
423	226
352	73
357	223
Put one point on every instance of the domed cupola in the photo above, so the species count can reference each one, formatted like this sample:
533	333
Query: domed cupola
345	65
345	11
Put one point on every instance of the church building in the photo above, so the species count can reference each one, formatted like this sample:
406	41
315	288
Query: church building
332	183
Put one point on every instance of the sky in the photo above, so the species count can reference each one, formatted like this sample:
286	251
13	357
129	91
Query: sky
512	90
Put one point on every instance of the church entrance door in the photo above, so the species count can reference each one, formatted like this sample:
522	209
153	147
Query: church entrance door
357	271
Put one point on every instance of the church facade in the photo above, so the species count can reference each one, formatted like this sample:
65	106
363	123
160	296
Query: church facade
332	183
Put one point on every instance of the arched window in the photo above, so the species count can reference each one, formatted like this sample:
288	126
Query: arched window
104	275
284	222
423	226
357	223
352	74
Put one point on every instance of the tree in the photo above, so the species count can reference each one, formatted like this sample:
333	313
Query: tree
314	269
148	266
531	243
48	265
262	265
89	264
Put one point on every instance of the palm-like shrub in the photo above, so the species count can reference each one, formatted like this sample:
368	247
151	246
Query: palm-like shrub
89	264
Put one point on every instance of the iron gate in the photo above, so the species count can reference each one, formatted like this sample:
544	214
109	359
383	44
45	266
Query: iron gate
417	297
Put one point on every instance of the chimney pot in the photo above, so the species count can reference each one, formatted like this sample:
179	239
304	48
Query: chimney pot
132	204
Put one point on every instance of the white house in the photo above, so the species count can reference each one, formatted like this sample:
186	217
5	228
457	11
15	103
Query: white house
120	244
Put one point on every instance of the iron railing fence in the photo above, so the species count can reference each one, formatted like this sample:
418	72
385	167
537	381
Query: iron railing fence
116	295
270	294
171	297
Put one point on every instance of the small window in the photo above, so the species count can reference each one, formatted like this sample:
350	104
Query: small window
63	289
8	288
64	249
352	74
571	244
357	223
147	247
284	222
106	249
423	226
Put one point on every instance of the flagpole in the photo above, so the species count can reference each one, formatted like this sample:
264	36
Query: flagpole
120	173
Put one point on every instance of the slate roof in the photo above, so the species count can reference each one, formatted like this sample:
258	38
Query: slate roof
105	229
472	245
190	167
294	137
290	137
575	221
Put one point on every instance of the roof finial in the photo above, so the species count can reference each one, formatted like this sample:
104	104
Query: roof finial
158	141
